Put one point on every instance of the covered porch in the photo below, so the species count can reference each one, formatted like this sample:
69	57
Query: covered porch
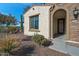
60	32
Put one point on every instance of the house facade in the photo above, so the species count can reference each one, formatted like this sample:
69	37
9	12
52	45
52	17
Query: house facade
54	20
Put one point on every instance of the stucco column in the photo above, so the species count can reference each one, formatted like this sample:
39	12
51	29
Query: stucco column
51	26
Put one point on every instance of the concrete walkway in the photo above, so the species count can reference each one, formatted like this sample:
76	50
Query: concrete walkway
60	45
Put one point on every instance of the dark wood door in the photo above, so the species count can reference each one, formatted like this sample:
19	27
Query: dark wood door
61	26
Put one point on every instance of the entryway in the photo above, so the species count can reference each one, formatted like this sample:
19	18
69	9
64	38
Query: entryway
59	31
61	26
59	23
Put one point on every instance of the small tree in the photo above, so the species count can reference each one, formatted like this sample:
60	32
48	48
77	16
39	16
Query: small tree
21	24
10	20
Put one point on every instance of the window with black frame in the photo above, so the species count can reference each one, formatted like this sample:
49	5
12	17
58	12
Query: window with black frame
34	22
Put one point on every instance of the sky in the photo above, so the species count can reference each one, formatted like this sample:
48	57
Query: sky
15	9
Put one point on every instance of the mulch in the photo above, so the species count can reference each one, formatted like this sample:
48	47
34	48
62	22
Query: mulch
36	50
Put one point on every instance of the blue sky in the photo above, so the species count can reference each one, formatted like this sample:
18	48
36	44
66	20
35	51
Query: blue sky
16	9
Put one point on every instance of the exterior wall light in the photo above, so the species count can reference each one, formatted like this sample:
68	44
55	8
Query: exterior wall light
33	8
76	13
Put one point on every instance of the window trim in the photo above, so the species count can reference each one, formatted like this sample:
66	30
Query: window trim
34	15
32	29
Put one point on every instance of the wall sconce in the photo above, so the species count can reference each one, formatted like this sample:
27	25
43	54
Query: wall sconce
33	8
76	13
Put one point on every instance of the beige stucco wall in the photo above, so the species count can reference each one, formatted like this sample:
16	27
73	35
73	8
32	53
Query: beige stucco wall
46	21
43	12
55	26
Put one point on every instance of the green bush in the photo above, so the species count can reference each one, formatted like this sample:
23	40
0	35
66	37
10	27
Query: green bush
12	29
41	40
45	42
2	28
38	38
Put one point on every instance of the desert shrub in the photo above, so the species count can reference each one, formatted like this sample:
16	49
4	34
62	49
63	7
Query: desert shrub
45	42
38	38
2	28
7	44
41	40
12	29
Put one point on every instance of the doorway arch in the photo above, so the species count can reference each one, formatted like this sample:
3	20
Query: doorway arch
59	23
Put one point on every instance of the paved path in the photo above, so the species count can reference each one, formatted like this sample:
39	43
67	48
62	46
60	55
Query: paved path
60	45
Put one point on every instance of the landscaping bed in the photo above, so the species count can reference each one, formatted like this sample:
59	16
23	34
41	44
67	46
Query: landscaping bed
36	50
28	47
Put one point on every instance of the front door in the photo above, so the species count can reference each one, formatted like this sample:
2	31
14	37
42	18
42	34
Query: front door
61	26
